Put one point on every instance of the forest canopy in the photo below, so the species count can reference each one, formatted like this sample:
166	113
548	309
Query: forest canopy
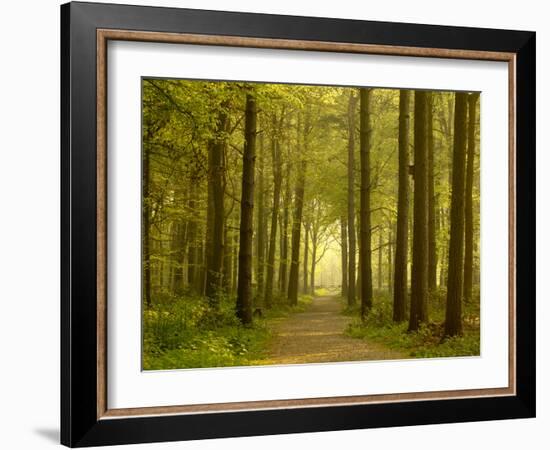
267	206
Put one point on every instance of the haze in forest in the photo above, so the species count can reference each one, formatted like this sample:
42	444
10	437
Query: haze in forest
287	224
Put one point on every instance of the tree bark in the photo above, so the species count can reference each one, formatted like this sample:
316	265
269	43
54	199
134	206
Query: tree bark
283	265
261	222
432	244
380	259
277	182
365	222
453	313
314	243
419	276
192	257
469	211
146	224
390	256
244	282
351	199
344	254
297	223
215	236
305	280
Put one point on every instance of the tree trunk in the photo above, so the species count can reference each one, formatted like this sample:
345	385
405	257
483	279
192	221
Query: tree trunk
344	254
453	313
296	232
419	276
469	211
390	255
432	243
146	218
227	256
283	268
351	199
261	222
244	282
277	182
380	259
215	241
192	257
297	222
305	280
365	222
314	236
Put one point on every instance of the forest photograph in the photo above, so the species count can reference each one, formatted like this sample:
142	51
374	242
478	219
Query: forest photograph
296	224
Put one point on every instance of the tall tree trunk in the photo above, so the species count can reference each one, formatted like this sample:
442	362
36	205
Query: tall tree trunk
178	252
261	222
380	259
227	256
351	198
201	272
146	224
469	211
365	222
344	254
390	256
235	257
314	243
297	218
296	232
306	256
277	182
244	282
419	276
283	268
453	312
214	239
192	257
432	244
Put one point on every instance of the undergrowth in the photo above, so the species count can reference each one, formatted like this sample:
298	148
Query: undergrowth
188	332
428	341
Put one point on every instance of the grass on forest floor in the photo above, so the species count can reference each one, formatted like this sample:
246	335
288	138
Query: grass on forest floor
427	342
186	332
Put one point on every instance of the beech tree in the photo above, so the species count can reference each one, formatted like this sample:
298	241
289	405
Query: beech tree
453	314
419	276
244	284
401	235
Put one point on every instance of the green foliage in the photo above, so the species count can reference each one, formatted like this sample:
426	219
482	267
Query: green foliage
187	332
428	341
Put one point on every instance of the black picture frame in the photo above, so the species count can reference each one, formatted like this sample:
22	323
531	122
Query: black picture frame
80	425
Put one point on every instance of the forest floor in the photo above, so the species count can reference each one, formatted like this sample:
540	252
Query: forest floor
317	335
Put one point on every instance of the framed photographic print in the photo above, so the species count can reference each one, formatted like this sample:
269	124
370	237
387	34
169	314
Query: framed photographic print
276	224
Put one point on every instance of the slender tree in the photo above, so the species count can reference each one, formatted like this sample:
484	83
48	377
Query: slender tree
244	283
432	243
419	277
283	264
146	225
192	257
351	198
469	211
453	312
401	235
216	216
261	222
344	254
296	232
306	256
277	183
365	222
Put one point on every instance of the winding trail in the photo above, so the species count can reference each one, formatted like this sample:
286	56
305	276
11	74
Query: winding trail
317	335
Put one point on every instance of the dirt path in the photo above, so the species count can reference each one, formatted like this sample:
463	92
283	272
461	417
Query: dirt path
317	335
